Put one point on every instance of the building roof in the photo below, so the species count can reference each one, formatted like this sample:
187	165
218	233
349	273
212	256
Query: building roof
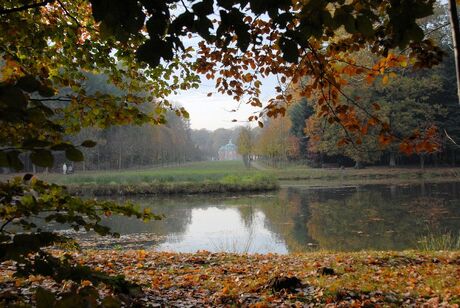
228	147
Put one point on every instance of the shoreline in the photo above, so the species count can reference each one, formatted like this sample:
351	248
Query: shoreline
172	188
233	177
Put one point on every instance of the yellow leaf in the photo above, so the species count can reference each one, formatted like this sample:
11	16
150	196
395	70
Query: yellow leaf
385	80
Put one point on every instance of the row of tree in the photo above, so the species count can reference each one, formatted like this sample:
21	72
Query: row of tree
411	102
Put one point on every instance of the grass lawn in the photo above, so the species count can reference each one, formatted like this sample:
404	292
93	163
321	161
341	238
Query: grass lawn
191	172
232	176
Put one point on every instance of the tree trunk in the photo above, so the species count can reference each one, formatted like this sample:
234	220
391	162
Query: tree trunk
358	165
422	161
455	28
98	160
246	160
392	159
393	190
453	158
119	159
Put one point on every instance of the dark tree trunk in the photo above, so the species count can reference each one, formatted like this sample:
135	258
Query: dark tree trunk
392	159
455	28
119	159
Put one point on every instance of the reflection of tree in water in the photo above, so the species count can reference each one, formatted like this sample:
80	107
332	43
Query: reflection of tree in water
286	215
177	212
388	218
367	217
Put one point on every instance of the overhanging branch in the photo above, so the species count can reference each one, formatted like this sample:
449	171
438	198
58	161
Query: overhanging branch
5	11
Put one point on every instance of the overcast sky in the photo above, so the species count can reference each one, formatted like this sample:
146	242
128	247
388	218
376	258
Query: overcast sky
215	111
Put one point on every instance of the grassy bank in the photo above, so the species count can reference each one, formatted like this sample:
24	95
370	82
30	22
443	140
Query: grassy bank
232	176
370	173
191	172
362	279
227	184
192	178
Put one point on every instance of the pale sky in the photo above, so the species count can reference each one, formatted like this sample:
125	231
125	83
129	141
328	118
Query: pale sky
215	112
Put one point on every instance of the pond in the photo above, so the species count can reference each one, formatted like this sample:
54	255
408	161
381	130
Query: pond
296	219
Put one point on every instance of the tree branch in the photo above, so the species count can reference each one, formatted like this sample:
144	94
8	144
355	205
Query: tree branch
59	99
25	7
455	28
68	14
5	224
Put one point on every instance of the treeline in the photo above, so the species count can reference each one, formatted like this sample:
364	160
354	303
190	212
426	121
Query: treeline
125	147
133	146
172	143
136	146
410	101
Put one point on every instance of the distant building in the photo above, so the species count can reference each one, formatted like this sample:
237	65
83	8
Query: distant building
228	152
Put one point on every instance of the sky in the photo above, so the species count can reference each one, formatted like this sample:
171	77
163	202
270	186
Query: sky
215	112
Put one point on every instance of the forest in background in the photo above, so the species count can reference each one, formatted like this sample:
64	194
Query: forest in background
408	101
412	102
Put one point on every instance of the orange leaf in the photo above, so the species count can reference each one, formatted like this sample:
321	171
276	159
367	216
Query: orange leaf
385	80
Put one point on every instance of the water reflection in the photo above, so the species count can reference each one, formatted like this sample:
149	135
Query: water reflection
220	229
381	217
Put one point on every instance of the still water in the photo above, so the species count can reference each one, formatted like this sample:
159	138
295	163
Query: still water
296	219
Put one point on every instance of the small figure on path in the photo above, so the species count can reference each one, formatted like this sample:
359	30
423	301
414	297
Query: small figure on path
64	169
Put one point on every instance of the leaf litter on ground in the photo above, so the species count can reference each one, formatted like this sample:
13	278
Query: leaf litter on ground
359	279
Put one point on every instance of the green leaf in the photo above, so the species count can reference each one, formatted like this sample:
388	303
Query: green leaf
74	154
14	161
28	83
13	97
290	50
415	33
34	143
62	147
42	158
3	159
350	24
364	26
27	177
46	91
88	144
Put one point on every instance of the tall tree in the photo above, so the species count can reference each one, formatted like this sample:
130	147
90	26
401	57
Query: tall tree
245	144
455	27
299	113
